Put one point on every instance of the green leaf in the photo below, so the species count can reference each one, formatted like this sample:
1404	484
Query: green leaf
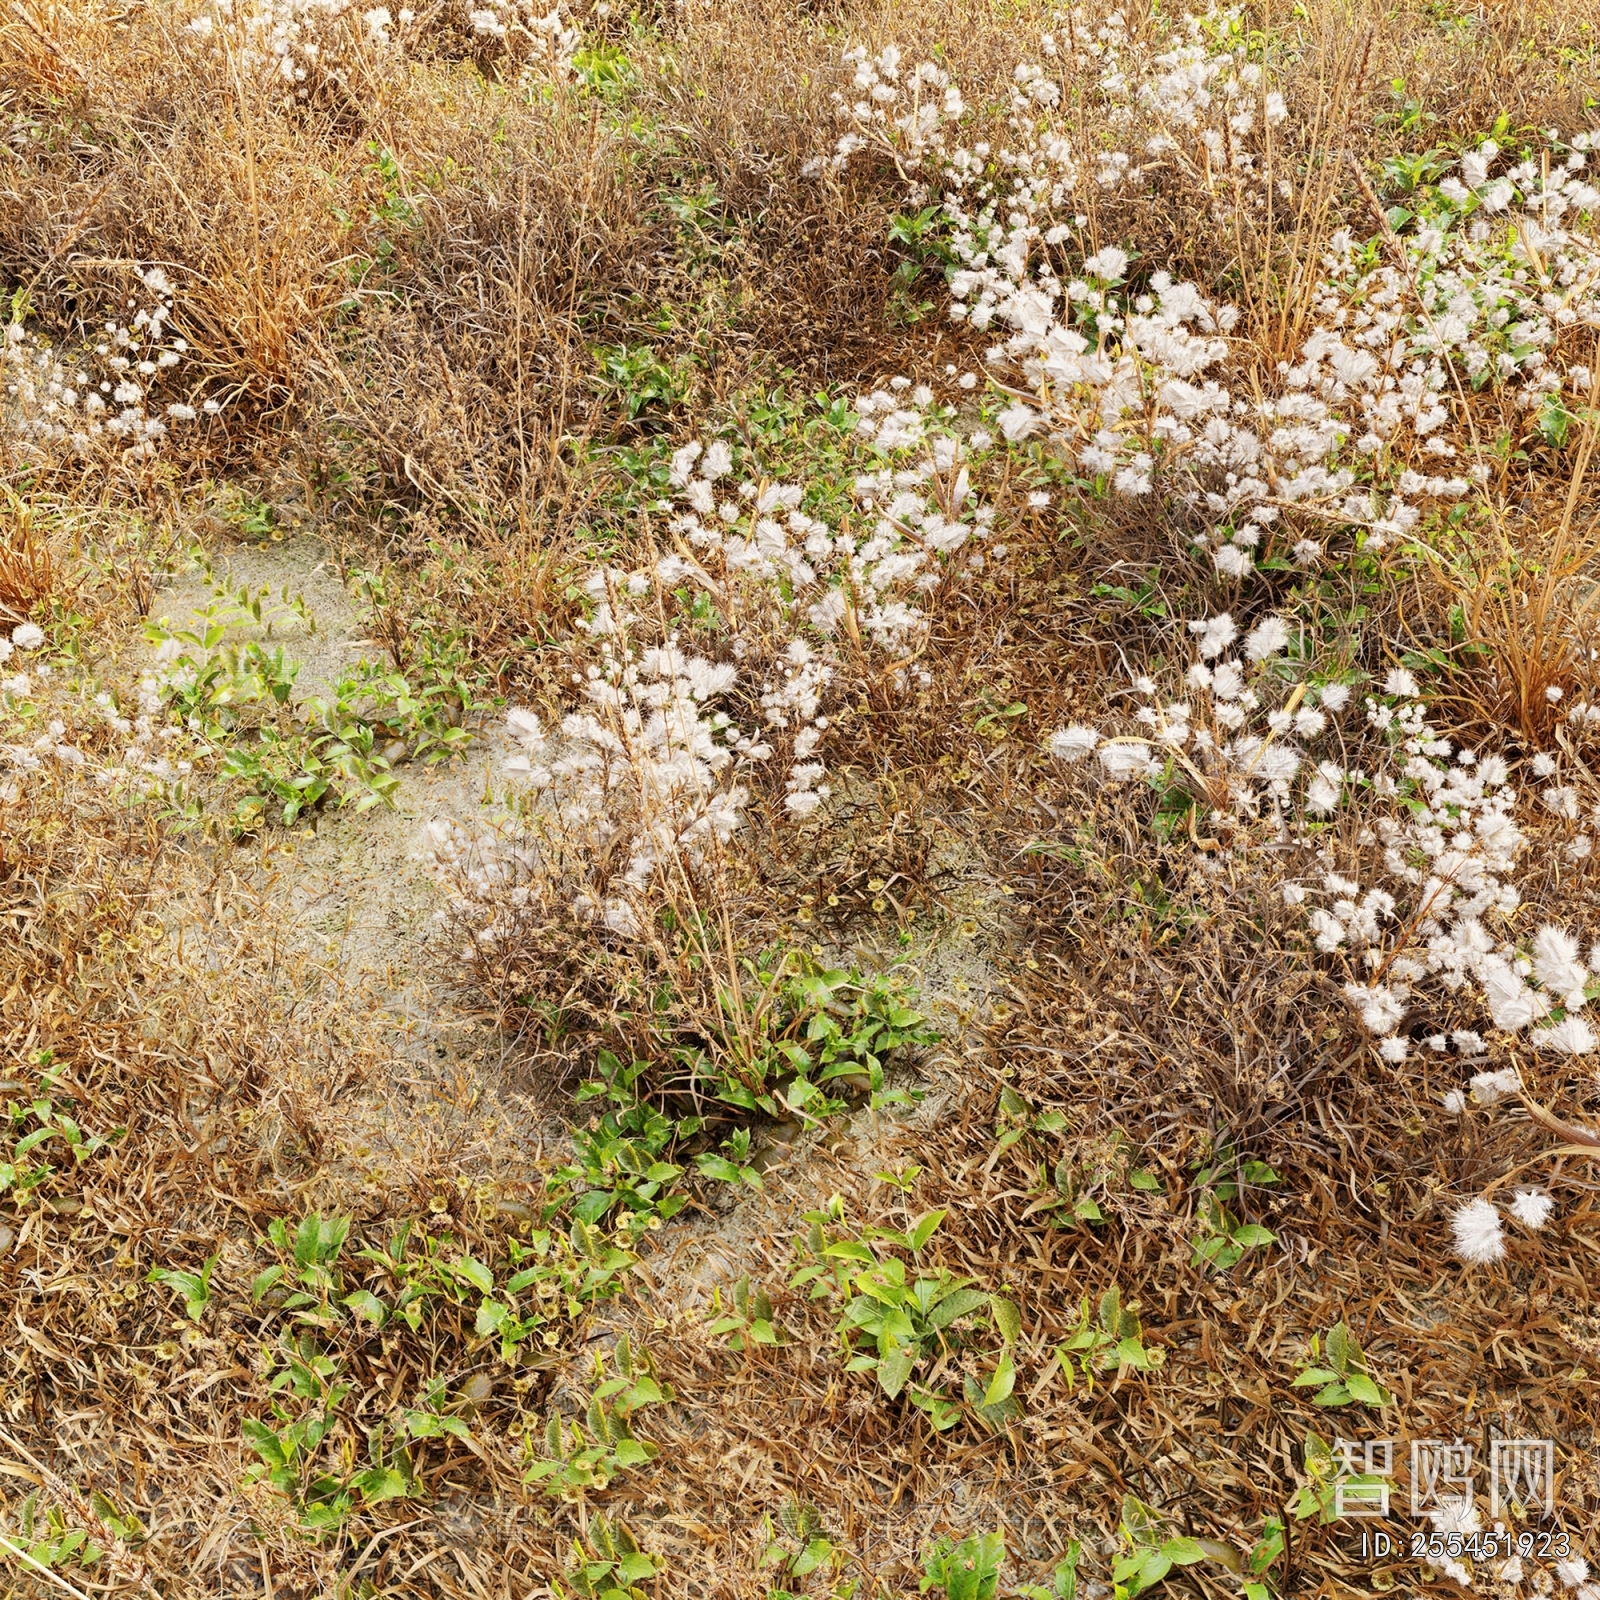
894	1369
1003	1381
368	1305
379	1484
924	1227
1362	1388
264	1281
1253	1234
1144	1180
1313	1376
851	1250
959	1303
1007	1318
1182	1552
1339	1348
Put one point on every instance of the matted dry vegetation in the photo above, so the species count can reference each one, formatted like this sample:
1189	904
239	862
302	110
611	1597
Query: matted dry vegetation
456	303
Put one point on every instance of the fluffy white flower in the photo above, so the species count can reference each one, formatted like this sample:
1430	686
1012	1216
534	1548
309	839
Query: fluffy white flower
1334	696
1572	1572
1570	1037
1267	638
1018	422
1073	743
1531	1207
1490	1088
1215	635
1109	263
27	636
526	729
1126	760
1400	682
1512	1004
1381	1010
1478	1235
1556	964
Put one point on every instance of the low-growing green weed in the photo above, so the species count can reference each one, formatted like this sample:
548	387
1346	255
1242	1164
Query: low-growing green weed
1110	1336
1152	1553
1336	1367
608	1563
579	1456
38	1120
1221	1237
969	1570
895	1315
749	1321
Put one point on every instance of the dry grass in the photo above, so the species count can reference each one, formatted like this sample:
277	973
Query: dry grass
414	338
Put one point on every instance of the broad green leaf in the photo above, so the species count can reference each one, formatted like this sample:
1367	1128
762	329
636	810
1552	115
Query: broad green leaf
958	1304
1182	1552
1003	1381
379	1484
894	1369
367	1305
1339	1348
1007	1318
923	1230
264	1281
1253	1234
1362	1388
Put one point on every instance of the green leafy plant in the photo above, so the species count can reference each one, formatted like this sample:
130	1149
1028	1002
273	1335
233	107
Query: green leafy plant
39	1120
619	1163
1221	1237
1152	1553
237	698
1336	1367
553	1274
1318	1496
1063	1581
195	1287
809	1028
50	1544
799	1547
966	1571
894	1315
642	383
1110	1336
580	1456
608	1563
749	1321
288	1442
1015	1119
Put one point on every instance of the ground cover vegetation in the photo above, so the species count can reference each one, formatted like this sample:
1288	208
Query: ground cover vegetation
983	617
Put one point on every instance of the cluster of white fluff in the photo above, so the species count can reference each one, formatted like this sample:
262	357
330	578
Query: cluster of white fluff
297	44
1144	392
1237	729
112	392
653	772
55	724
1439	865
1445	884
543	38
292	44
640	787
